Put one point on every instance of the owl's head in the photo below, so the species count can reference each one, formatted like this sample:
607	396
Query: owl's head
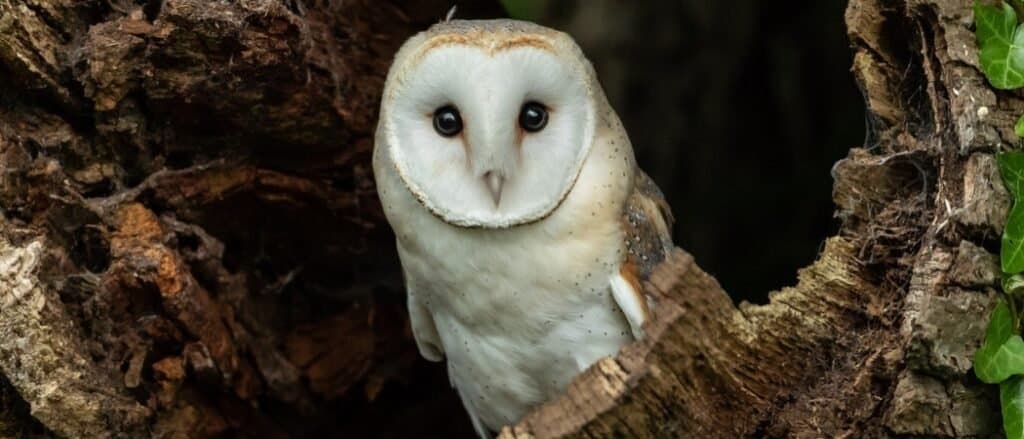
488	123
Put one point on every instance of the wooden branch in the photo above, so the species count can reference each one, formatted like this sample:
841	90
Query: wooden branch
708	368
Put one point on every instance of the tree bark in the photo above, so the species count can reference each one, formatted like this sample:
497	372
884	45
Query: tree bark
190	242
877	337
191	245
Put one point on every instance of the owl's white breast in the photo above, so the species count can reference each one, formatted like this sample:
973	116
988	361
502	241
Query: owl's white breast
520	311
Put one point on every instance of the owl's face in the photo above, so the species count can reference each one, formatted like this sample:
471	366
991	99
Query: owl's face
488	125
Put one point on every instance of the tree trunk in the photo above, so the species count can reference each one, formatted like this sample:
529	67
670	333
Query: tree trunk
191	245
190	241
877	337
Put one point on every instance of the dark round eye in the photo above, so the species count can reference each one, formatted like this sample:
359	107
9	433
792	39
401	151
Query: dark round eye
533	117
447	121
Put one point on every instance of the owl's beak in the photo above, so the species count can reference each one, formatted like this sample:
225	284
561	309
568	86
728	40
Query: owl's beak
494	182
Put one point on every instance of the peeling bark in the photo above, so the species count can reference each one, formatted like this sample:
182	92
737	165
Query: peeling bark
74	398
190	242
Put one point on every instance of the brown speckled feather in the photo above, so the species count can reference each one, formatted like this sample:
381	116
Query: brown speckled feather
647	222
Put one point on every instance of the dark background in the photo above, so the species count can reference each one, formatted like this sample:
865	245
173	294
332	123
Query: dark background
737	110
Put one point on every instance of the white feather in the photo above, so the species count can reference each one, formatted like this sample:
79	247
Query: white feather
489	90
628	300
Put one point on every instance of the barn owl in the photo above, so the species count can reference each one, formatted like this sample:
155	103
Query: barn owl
522	222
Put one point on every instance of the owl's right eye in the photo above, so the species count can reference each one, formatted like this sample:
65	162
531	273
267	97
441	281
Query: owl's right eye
447	121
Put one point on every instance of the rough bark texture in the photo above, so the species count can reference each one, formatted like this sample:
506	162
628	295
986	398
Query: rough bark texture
877	337
190	243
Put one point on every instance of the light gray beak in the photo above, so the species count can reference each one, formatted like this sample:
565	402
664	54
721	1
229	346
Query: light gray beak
494	182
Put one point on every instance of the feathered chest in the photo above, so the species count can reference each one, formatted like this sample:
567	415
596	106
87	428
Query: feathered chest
493	278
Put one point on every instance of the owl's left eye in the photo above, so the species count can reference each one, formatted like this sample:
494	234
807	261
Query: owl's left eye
533	117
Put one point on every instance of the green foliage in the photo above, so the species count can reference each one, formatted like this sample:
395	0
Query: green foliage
1001	44
1012	249
1011	397
1002	354
1011	167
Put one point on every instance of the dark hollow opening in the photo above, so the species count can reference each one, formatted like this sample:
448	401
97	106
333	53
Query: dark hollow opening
738	111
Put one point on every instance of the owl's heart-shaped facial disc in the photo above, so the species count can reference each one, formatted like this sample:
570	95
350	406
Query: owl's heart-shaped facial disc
489	132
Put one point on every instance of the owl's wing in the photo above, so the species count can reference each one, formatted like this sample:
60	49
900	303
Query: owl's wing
422	321
423	330
647	226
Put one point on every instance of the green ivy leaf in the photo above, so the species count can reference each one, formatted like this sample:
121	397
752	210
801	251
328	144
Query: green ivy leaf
1011	167
1001	44
1002	354
1012	248
1018	127
1011	396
